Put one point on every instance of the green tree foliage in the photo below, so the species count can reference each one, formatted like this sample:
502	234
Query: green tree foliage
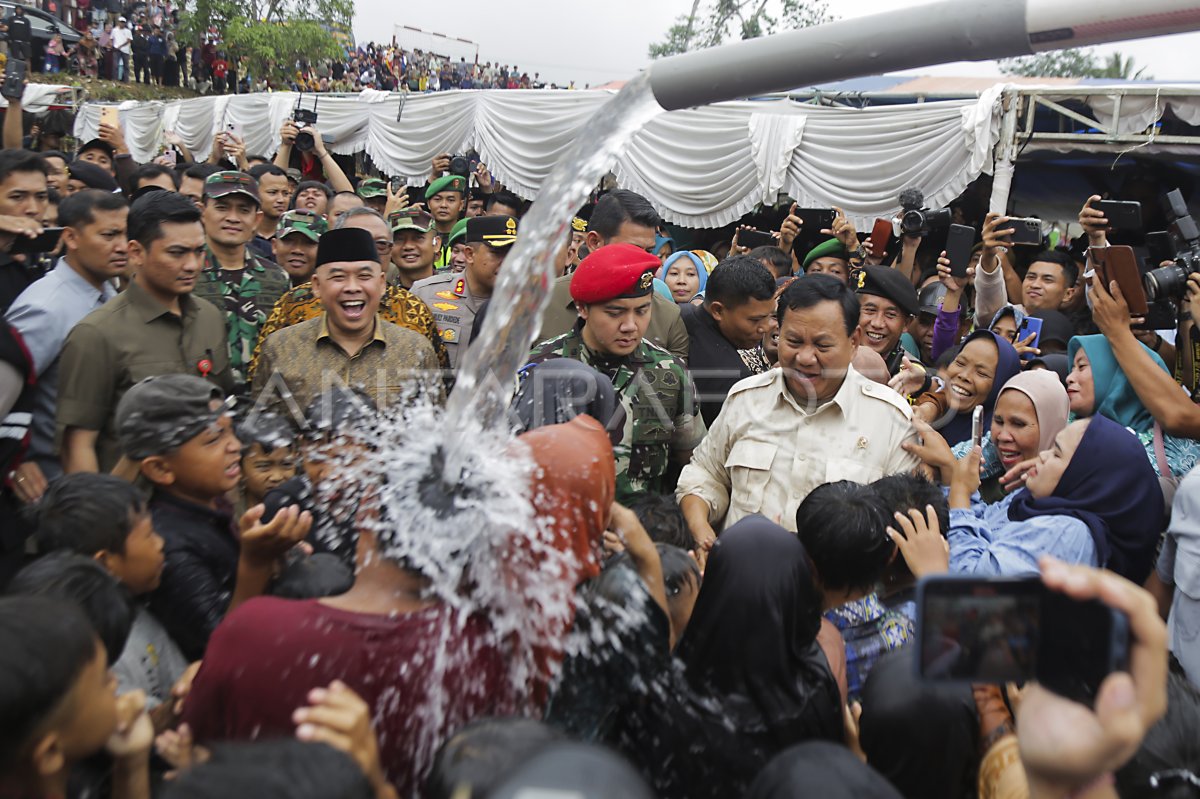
711	23
1074	63
271	34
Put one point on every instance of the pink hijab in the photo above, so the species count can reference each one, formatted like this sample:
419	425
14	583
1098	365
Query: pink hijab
1049	399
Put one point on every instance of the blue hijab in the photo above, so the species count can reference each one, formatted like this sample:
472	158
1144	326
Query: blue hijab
1008	364
701	269
1114	394
1110	486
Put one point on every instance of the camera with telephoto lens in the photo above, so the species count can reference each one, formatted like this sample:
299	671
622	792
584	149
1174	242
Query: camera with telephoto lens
303	118
462	165
1170	282
916	219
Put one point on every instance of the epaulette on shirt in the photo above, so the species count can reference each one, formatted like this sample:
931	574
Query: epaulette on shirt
753	381
881	392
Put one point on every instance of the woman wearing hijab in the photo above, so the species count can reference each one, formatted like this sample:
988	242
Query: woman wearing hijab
923	737
1096	385
820	768
1031	410
1091	499
685	275
984	364
754	680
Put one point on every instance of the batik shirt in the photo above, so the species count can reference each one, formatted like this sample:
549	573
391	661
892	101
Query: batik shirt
870	631
245	297
661	412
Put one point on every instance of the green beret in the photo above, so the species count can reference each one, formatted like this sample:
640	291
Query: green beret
457	233
827	249
447	183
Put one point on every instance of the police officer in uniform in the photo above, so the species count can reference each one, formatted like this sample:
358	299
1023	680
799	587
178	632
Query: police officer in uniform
887	303
612	288
454	298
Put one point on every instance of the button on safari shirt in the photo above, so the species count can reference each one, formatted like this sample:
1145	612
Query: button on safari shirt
300	362
765	452
130	338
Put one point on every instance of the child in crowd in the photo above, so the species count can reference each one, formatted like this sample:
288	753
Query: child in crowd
105	518
681	578
269	456
903	493
59	703
663	520
843	527
175	428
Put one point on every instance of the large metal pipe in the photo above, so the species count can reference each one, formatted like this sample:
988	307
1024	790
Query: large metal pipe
950	30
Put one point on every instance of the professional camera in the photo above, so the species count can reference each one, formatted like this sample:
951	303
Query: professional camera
304	118
462	165
916	219
1170	282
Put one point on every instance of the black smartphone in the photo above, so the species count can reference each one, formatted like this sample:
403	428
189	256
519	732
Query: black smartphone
398	184
1159	248
959	241
755	238
816	219
1121	214
14	79
1025	231
1014	629
45	242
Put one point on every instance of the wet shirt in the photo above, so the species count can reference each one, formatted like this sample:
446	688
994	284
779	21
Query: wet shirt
419	692
300	362
132	337
662	415
449	299
246	296
765	452
398	306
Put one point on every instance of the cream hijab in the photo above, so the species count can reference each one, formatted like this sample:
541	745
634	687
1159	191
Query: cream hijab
1049	400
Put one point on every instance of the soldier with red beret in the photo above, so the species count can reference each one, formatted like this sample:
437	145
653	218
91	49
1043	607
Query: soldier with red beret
612	289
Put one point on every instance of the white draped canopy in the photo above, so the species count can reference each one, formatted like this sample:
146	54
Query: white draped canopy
701	167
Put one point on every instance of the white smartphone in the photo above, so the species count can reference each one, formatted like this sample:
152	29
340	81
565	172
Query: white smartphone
977	426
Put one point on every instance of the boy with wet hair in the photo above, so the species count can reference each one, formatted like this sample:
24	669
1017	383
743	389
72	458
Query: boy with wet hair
106	519
269	455
663	520
59	703
903	493
176	429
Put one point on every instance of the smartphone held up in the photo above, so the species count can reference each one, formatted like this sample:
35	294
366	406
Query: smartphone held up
1015	630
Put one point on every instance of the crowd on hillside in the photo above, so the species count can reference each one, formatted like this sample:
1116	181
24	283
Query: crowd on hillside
244	553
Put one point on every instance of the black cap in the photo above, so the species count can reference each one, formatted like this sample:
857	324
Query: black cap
883	281
1055	327
98	144
346	245
92	176
495	231
930	298
161	414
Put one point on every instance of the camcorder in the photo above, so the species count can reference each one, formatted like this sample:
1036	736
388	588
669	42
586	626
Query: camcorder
1170	282
304	118
916	219
463	165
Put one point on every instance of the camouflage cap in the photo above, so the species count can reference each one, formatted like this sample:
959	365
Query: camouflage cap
302	221
222	184
410	219
372	187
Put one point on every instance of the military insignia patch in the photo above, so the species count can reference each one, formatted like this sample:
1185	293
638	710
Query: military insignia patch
445	306
460	286
647	280
449	335
446	295
862	279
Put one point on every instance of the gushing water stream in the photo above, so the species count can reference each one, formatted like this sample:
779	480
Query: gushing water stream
487	375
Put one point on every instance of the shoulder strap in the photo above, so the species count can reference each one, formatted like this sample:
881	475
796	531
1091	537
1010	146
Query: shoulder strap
1160	452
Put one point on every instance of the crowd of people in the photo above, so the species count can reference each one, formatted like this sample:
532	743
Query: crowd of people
142	42
689	569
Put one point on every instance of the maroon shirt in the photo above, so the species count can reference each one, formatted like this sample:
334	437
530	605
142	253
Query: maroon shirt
269	653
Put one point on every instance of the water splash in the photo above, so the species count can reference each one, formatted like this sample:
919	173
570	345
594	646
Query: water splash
487	375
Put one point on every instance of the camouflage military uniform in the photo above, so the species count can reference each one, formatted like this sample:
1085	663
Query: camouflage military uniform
661	412
245	297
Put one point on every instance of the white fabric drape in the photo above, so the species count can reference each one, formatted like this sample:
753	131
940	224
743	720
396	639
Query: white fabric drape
701	167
